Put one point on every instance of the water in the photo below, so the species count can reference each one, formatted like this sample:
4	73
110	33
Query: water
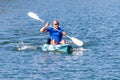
94	22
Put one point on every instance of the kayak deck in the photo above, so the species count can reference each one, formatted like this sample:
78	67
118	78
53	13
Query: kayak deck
67	48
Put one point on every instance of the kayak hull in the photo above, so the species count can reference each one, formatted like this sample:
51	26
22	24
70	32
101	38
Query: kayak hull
67	48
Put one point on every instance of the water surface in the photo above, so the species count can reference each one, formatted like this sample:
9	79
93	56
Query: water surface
94	22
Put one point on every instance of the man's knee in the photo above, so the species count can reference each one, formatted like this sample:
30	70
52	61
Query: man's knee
63	42
53	42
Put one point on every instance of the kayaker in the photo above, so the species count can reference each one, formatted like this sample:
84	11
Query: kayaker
56	33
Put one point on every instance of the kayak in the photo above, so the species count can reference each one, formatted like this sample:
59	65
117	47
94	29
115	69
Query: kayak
67	48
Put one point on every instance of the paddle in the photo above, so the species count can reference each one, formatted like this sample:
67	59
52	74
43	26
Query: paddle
74	40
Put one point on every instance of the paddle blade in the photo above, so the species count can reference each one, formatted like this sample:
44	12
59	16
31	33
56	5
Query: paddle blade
77	41
35	16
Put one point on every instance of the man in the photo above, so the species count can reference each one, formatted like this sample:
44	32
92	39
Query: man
56	33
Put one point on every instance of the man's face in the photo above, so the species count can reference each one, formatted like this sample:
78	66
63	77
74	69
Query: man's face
56	24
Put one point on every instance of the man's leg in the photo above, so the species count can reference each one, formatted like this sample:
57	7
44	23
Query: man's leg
63	42
53	42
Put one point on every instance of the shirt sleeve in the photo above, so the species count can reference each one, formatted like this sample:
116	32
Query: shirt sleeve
61	30
48	29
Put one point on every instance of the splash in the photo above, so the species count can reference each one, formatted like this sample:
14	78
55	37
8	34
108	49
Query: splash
79	51
23	46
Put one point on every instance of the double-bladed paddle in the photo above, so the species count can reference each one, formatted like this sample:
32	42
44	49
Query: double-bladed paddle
74	40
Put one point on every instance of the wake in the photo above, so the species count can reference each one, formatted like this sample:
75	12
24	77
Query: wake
23	46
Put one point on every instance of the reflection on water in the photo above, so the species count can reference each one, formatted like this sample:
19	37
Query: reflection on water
79	51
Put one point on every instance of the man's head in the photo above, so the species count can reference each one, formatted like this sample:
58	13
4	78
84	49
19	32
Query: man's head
55	23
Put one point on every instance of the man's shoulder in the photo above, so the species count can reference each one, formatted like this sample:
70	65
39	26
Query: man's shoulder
49	28
61	29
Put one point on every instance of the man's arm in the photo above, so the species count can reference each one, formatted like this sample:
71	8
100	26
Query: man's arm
43	29
64	33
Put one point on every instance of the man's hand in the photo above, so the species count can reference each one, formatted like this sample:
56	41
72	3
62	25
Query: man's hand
46	25
43	29
64	33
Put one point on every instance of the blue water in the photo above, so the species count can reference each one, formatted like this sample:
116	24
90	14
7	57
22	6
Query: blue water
96	22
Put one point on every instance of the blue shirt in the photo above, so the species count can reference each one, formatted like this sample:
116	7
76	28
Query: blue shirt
54	34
